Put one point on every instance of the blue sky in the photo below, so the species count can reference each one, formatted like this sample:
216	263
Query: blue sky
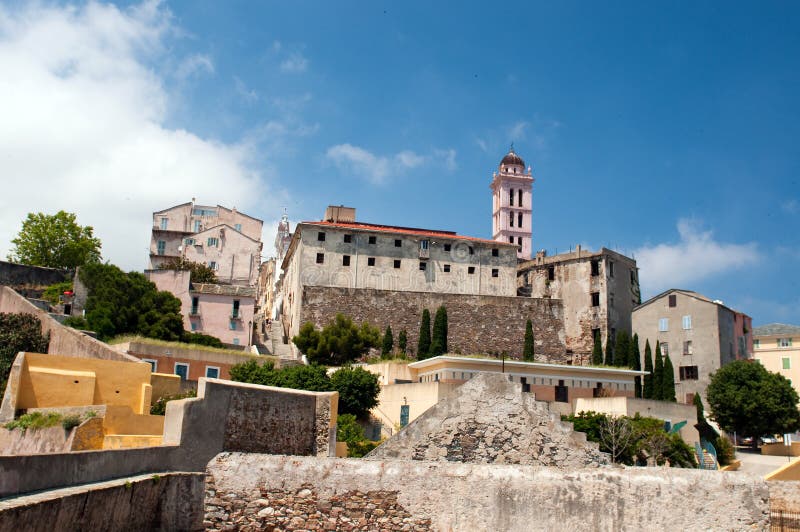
664	130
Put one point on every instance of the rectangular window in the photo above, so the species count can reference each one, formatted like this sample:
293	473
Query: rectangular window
511	240
511	219
495	272
663	324
320	237
232	325
551	273
519	220
398	242
756	343
195	305
397	263
511	197
633	276
447	247
664	349
423	244
595	299
495	252
520	197
611	268
471	250
194	325
422	266
212	242
519	240
348	239
188	241
446	268
688	373
182	370
687	323
199	211
212	372
371	261
197	226
164	223
235	341
238	227
162	247
345	260
235	309
212	264
595	268
687	347
470	269
153	364
673	300
784	342
786	363
320	258
372	240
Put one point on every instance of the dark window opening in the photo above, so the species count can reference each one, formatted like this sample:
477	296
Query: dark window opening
511	240
519	240
598	390
611	268
511	197
372	240
495	252
526	387
422	266
519	220
471	269
447	247
595	299
495	272
562	393
446	268
320	258
596	334
345	260
398	243
673	300
520	198
688	373
371	261
397	263
321	236
471	250
595	268
348	239
551	273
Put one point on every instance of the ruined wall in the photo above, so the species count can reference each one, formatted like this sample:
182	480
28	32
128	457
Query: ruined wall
30	281
476	324
167	501
274	490
490	420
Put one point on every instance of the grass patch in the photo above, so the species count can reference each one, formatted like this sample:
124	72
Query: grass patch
183	345
35	420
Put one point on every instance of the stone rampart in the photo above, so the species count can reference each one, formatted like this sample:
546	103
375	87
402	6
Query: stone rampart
476	324
323	493
165	501
31	280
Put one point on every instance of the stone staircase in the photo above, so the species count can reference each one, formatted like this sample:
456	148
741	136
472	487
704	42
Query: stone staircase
279	349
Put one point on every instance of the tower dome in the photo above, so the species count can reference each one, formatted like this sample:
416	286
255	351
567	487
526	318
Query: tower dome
512	158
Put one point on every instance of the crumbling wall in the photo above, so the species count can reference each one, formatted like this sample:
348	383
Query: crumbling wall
274	490
30	281
476	324
490	420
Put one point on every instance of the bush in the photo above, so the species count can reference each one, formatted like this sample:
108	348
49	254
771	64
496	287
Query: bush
159	408
71	421
52	294
349	431
35	420
358	390
201	339
19	332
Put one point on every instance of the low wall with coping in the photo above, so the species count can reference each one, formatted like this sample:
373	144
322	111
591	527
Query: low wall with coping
166	501
328	493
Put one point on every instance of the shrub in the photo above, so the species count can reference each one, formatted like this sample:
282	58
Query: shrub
19	332
159	408
358	390
35	420
71	421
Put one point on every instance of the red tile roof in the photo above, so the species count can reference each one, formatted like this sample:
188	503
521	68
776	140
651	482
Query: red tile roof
407	231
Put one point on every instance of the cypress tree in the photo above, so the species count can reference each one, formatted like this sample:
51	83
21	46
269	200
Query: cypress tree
597	350
439	337
635	362
527	350
668	380
388	342
647	390
621	346
698	403
424	343
609	353
658	374
402	341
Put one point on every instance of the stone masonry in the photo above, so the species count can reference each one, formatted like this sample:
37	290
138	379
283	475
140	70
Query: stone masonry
490	420
476	324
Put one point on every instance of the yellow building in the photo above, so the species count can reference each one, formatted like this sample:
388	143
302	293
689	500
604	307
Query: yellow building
407	390
777	347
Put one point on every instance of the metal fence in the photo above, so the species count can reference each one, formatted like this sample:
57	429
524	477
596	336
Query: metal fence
781	520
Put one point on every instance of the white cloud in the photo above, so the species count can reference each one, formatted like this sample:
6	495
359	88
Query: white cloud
296	62
482	145
448	157
790	206
360	161
83	127
696	256
409	159
248	95
517	131
194	64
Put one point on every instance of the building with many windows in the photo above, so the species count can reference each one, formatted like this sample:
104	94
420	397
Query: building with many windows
699	334
777	347
225	240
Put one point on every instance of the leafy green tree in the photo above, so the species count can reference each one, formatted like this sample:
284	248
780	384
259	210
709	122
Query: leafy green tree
402	341
424	342
349	431
658	374
647	389
747	399
55	241
668	381
253	373
313	378
597	350
698	403
199	273
52	294
339	342
528	349
621	347
388	342
609	353
635	362
19	332
358	390
439	338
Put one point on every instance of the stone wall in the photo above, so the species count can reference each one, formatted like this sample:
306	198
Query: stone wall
490	420
31	281
784	495
274	490
476	324
166	501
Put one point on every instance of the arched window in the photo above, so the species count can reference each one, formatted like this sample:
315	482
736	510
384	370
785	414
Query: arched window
511	197
520	198
519	220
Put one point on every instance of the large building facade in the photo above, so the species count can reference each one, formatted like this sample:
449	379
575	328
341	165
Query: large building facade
597	289
512	204
700	336
226	240
777	347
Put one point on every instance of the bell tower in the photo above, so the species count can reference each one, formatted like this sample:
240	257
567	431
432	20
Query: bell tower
512	204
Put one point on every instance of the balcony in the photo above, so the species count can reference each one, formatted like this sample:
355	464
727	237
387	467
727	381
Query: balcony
236	315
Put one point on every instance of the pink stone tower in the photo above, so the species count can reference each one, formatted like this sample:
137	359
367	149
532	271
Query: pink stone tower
512	204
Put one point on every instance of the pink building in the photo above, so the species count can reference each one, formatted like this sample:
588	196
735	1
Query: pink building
512	204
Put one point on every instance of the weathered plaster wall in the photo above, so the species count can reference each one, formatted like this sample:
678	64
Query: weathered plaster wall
476	324
476	497
490	420
785	494
31	280
167	501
